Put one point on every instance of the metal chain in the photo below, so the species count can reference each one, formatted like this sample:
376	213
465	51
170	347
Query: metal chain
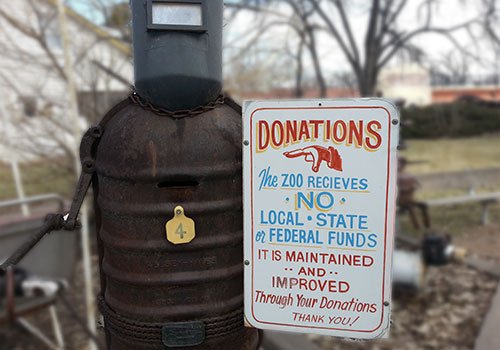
135	98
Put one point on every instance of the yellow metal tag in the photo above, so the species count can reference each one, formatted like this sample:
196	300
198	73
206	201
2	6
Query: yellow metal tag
180	229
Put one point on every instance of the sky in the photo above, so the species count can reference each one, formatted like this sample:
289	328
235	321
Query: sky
447	13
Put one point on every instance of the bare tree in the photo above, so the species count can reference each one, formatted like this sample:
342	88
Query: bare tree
492	20
32	70
452	68
366	52
110	13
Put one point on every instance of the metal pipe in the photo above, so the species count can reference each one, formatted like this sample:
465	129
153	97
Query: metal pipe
34	199
56	325
25	325
16	172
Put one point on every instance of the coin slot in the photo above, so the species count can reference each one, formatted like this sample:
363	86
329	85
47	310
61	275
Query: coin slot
178	183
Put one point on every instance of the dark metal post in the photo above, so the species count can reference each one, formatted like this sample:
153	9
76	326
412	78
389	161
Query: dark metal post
177	51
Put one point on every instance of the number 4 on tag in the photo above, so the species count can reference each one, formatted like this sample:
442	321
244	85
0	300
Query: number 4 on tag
180	229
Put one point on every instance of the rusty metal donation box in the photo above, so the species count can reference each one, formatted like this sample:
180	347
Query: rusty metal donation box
169	221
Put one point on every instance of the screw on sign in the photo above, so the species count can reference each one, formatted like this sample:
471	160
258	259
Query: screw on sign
319	209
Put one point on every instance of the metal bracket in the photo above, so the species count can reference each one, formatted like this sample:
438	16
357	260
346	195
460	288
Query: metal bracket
87	158
69	221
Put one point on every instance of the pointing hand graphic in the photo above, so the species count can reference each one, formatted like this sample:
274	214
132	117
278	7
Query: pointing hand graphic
317	155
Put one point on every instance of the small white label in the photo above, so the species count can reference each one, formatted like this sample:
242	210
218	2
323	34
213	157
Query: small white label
177	14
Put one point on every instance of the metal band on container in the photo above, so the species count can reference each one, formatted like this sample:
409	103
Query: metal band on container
154	332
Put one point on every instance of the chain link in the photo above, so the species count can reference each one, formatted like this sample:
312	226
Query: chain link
135	98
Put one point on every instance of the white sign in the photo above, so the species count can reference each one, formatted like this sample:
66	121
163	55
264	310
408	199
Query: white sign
319	210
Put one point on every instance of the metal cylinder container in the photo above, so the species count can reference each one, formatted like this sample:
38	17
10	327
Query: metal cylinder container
157	294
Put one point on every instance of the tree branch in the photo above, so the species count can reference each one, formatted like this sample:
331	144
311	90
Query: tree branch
347	28
334	31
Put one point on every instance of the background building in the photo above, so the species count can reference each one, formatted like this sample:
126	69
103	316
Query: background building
33	82
409	82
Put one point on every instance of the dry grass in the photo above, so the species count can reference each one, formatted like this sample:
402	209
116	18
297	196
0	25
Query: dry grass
443	155
37	178
454	220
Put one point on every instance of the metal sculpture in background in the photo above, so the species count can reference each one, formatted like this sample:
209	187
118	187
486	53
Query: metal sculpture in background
434	248
407	203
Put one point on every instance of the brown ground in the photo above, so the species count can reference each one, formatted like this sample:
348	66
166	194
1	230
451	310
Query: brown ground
482	240
448	312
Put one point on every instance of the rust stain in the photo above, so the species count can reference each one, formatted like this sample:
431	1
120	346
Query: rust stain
153	156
